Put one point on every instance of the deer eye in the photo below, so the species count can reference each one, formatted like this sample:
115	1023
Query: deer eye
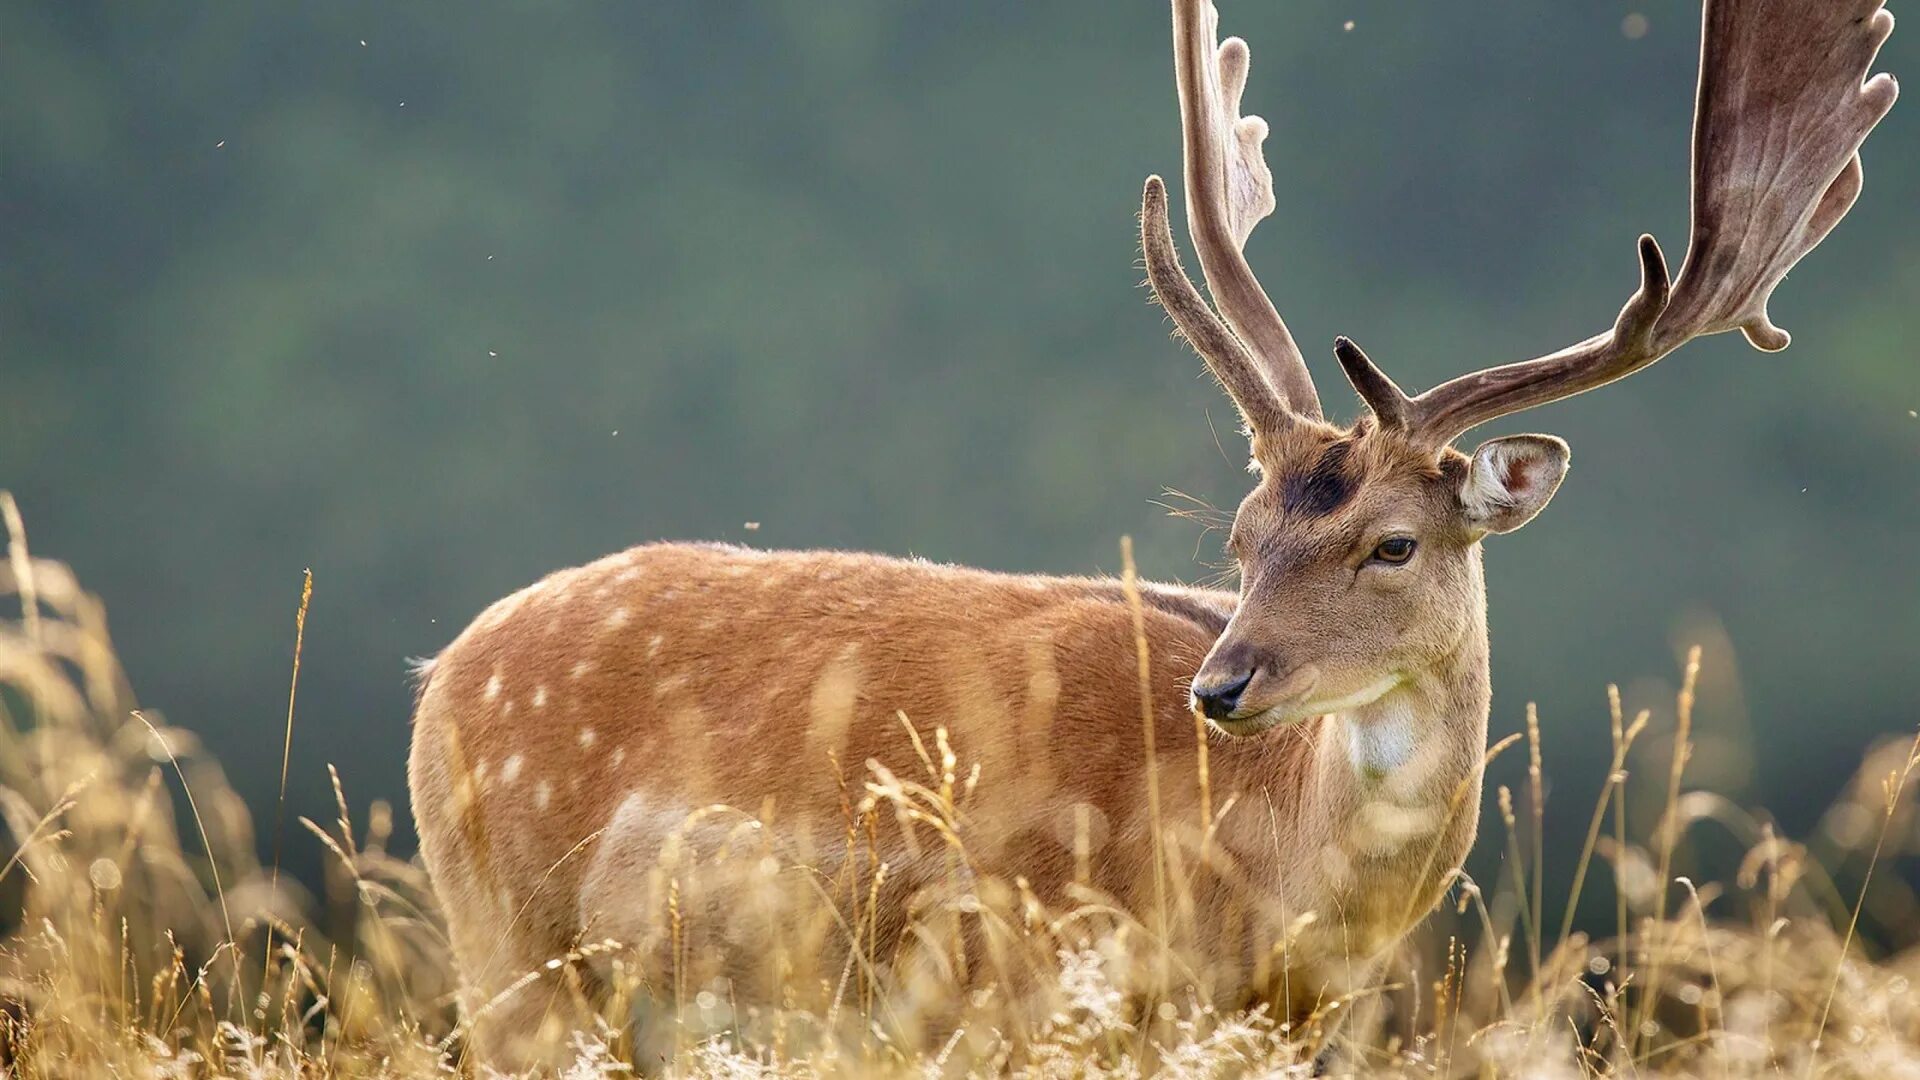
1395	550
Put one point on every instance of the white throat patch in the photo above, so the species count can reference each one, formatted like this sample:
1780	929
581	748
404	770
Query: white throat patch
1382	743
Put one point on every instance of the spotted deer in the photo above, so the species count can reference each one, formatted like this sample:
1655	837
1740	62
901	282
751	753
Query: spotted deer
1325	722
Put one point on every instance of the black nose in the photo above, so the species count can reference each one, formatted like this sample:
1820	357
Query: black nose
1218	699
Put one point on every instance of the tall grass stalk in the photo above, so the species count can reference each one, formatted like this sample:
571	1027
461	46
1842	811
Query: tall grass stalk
286	752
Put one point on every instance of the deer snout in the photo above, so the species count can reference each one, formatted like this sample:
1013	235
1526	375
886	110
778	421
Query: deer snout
1244	691
1217	696
1220	689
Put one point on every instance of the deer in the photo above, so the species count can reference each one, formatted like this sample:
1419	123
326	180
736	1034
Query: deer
585	728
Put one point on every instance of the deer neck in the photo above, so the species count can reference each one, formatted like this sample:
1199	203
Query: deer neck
1412	747
1396	782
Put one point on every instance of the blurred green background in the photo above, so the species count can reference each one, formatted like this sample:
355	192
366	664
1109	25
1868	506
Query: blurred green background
435	298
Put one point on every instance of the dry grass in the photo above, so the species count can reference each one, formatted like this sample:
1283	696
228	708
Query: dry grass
145	938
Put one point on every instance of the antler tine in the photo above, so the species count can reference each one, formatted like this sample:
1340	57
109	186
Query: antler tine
1226	357
1781	113
1229	189
1388	403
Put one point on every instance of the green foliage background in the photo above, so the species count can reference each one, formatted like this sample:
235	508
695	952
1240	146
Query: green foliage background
435	297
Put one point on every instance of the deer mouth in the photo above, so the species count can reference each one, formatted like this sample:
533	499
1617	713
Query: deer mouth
1289	703
1265	720
1301	705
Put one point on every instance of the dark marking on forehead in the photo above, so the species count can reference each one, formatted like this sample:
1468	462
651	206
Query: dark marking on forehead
1324	486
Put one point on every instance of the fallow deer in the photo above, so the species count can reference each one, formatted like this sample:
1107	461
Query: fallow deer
563	740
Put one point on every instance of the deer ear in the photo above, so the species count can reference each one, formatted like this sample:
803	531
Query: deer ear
1510	480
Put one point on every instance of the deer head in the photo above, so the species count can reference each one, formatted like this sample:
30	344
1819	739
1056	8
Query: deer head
1359	547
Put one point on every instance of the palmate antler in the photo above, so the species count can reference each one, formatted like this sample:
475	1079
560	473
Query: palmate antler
1781	112
1780	116
1229	190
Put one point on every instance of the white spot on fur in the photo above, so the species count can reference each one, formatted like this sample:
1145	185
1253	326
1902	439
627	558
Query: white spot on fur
618	618
587	736
493	686
539	697
1381	828
542	794
510	771
669	684
653	645
1081	822
580	667
506	708
619	756
1338	867
830	708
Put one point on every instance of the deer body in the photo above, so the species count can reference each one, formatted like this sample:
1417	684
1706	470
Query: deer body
596	711
590	742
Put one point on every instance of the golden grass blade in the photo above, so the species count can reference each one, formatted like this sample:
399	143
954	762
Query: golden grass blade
286	746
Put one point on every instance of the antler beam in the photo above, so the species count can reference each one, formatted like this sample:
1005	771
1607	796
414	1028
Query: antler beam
1226	357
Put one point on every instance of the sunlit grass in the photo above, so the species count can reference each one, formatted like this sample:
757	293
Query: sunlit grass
144	938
